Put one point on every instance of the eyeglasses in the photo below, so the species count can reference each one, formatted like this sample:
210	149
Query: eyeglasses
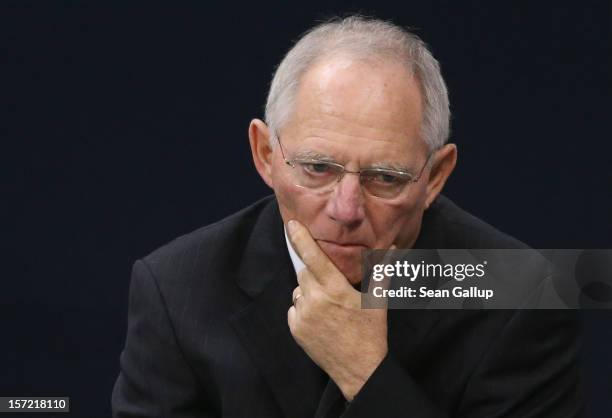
321	176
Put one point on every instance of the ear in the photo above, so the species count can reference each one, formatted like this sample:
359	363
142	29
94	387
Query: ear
445	161
259	138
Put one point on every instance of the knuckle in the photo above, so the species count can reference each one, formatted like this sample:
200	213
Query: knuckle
307	254
298	237
302	275
292	318
337	289
317	297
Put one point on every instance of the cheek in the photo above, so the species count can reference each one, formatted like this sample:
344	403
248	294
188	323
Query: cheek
286	192
396	222
296	202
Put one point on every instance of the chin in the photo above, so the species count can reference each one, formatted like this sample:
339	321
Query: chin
351	268
346	258
354	278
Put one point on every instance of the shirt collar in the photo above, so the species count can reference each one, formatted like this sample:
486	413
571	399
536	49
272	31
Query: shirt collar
297	262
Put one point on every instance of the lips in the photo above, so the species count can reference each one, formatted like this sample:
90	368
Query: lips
343	245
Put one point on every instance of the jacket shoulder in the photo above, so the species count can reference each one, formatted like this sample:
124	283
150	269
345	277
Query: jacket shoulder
218	241
446	225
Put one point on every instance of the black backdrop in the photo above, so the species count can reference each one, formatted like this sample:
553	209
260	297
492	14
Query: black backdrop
126	126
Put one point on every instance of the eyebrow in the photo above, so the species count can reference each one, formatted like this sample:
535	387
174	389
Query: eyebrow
392	167
313	155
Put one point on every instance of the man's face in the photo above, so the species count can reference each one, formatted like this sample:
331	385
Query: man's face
360	115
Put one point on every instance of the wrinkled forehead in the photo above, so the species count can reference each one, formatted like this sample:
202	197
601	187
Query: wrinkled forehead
369	103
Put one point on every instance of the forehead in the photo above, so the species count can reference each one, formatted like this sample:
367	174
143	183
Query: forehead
346	103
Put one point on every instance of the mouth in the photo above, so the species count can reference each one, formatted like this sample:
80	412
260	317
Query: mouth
343	245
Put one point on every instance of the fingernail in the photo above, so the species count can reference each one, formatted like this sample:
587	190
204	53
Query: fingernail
292	226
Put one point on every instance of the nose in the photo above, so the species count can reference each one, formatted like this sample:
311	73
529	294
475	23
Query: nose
345	205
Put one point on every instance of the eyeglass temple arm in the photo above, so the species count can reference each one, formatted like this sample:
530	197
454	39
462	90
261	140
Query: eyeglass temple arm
281	148
431	154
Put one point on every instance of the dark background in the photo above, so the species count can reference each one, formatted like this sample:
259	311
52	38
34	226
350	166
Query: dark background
126	126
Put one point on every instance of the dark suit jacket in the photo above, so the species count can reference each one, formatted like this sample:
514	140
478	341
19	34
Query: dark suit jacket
208	337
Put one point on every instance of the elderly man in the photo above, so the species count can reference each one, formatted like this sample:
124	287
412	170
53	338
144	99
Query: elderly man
257	315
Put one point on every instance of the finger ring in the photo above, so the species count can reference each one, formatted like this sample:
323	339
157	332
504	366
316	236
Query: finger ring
296	297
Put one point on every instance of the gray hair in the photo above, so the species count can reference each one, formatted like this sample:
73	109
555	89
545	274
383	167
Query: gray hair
362	38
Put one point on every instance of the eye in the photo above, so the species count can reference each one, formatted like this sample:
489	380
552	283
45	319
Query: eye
386	178
317	168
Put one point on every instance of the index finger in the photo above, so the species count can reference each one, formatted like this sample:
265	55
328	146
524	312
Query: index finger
311	254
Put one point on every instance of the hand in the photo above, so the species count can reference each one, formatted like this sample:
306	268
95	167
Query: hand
327	321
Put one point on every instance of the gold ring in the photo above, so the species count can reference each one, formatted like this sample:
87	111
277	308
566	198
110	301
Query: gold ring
296	297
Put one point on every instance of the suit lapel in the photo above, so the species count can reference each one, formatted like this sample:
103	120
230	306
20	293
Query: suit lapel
332	403
266	274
